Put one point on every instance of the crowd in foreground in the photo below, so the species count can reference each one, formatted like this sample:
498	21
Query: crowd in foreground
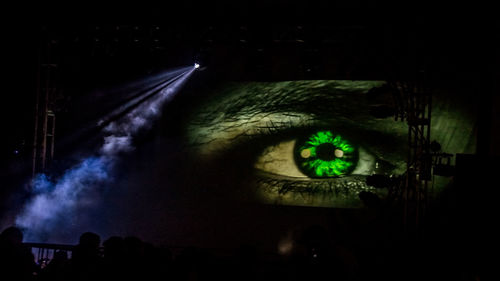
314	258
130	258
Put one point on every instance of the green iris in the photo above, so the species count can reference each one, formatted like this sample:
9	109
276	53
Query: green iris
324	155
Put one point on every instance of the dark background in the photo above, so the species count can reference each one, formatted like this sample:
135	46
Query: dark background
349	42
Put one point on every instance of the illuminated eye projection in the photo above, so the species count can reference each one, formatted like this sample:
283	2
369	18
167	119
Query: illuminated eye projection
325	155
323	168
320	155
295	153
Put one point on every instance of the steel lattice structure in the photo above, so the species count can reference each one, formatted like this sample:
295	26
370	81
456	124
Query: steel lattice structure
414	104
45	118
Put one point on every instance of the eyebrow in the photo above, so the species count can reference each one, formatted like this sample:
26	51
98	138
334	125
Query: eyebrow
323	98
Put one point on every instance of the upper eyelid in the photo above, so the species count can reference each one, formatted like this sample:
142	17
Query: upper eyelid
286	125
249	127
291	133
276	131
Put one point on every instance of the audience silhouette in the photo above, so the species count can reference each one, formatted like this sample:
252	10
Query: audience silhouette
86	262
317	254
16	261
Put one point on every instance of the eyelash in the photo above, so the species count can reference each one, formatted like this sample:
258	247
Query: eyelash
273	132
343	187
276	133
338	186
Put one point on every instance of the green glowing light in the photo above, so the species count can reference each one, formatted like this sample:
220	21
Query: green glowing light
323	161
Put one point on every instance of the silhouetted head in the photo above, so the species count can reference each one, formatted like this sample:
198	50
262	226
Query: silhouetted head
114	246
12	235
89	240
133	246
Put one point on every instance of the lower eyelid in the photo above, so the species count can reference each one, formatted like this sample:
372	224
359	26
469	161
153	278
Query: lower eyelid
337	192
327	184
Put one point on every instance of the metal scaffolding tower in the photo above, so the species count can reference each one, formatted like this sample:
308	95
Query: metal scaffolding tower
414	106
45	118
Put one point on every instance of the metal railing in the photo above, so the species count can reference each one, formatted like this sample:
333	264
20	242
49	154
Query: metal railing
43	252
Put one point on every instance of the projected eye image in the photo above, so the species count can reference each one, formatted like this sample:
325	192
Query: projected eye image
325	155
304	143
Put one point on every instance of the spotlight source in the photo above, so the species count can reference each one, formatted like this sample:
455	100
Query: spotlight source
196	65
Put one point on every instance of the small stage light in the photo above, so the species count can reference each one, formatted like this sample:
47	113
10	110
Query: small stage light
196	65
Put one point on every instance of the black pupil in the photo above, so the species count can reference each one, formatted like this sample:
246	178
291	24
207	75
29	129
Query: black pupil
326	151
